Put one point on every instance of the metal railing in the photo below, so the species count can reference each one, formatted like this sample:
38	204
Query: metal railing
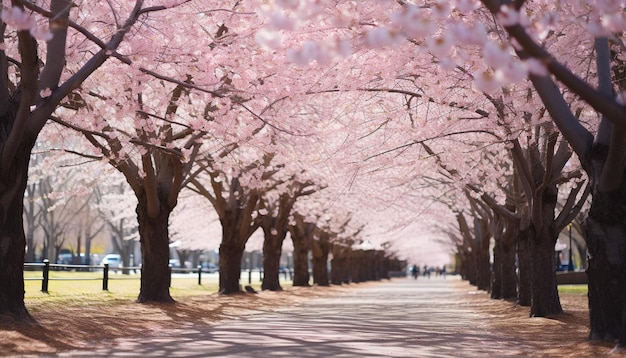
46	266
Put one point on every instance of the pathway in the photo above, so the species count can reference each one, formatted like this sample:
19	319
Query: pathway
400	318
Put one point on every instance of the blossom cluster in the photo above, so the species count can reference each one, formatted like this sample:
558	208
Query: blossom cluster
23	21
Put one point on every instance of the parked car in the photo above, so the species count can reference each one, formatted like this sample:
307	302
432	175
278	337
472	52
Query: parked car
211	268
65	259
174	263
114	260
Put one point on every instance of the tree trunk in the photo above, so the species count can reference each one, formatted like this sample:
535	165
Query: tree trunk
236	230
378	267
272	249
300	260
30	244
320	262
230	254
13	182
544	292
504	283
88	240
357	265
339	265
128	249
369	268
496	271
507	272
483	265
605	229
385	266
472	265
524	266
155	254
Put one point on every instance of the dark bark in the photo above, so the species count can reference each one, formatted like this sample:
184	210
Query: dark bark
231	252
472	267
367	266
498	257
13	182
339	264
508	275
320	249
237	227
155	254
30	219
230	267
461	258
605	229
272	249
524	266
385	266
300	235
504	283
496	272
378	266
544	294
483	266
357	265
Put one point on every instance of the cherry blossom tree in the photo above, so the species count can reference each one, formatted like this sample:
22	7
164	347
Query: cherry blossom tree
597	155
236	205
33	87
443	30
115	202
277	208
301	233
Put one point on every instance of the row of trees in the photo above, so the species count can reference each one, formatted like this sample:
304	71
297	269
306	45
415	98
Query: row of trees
572	56
165	123
419	102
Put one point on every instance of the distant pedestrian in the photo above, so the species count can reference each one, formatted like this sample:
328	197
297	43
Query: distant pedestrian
415	271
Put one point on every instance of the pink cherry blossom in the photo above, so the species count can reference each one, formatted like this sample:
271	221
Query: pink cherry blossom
466	6
267	38
41	33
380	37
281	22
15	17
441	9
487	81
496	55
413	21
508	16
440	45
536	67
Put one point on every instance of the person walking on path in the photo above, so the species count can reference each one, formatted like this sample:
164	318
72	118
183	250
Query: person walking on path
415	271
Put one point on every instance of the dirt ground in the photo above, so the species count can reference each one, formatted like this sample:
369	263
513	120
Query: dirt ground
79	325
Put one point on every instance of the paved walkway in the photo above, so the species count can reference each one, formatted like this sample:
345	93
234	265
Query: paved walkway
400	318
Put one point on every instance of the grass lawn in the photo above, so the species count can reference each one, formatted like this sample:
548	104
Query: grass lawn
77	288
573	289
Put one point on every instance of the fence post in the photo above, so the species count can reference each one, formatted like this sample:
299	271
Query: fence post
105	278
46	275
250	276
199	275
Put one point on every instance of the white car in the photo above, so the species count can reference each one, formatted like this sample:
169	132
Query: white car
114	260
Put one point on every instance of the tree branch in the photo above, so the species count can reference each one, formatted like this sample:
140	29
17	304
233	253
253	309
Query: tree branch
28	92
